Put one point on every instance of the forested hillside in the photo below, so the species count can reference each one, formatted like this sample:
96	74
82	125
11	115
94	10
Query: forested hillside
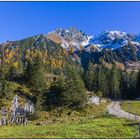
53	76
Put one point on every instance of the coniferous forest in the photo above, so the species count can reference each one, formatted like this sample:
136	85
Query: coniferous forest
45	72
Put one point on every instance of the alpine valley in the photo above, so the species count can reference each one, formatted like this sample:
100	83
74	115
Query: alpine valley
63	85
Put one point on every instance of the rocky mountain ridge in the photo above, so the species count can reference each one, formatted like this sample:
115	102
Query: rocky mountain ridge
109	46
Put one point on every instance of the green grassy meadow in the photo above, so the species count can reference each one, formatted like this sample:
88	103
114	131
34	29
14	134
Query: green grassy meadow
131	106
92	122
102	127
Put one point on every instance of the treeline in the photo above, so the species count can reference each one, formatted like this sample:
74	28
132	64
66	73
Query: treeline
112	83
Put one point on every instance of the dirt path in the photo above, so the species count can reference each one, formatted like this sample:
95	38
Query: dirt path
115	109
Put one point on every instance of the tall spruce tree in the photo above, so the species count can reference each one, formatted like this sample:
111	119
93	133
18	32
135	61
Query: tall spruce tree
102	82
132	84
69	90
76	95
138	85
124	85
35	79
89	77
114	83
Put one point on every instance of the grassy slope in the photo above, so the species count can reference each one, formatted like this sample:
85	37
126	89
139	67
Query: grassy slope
131	106
103	127
90	123
88	111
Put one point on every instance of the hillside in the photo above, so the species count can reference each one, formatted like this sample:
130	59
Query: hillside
108	46
44	66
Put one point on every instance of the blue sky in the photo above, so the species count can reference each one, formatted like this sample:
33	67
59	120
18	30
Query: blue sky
19	20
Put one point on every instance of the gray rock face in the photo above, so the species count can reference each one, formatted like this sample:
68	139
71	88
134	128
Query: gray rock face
71	37
94	100
19	114
72	34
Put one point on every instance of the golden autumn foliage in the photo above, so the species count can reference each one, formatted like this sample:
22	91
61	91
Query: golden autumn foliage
9	56
12	56
31	54
15	64
57	63
71	50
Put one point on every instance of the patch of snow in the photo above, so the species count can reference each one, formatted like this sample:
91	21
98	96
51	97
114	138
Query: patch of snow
90	37
74	43
135	43
67	31
84	43
64	46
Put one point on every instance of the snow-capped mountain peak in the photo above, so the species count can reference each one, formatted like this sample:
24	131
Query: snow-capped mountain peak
72	37
112	39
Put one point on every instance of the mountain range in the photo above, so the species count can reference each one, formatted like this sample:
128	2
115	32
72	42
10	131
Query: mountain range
106	39
108	47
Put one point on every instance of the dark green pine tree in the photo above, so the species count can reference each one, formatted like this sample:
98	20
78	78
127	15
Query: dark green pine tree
89	77
102	82
128	85
76	95
114	83
35	79
124	85
132	84
67	91
55	97
138	85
